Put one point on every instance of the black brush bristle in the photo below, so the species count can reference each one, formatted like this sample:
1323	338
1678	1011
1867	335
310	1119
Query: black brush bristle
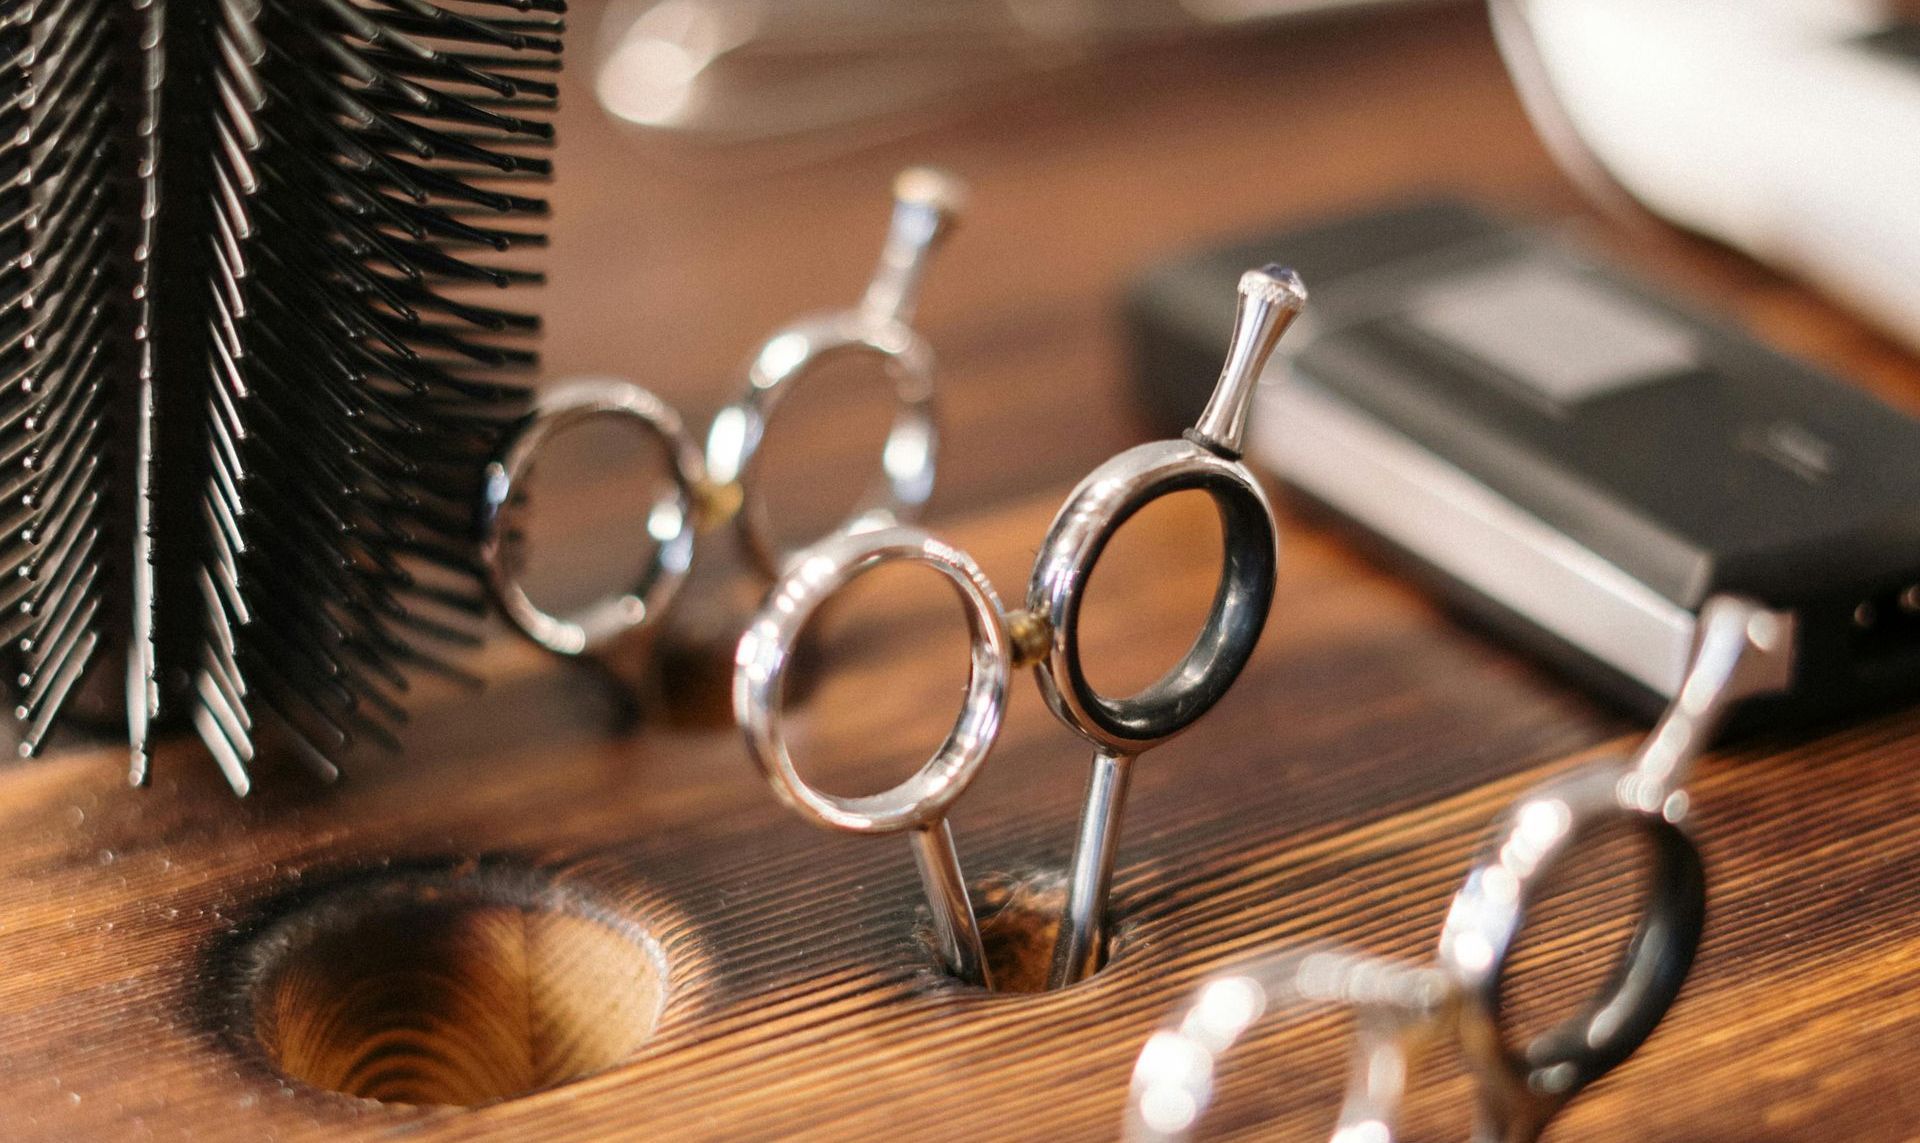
65	337
251	381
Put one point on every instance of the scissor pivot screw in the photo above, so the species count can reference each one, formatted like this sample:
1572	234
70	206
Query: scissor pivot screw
1031	636
716	504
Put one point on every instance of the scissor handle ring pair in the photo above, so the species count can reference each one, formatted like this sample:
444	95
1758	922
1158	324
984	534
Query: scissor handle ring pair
1519	1089
1046	634
1097	509
718	484
696	499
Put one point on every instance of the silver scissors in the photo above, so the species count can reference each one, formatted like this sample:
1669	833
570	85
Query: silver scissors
717	485
1741	650
1045	634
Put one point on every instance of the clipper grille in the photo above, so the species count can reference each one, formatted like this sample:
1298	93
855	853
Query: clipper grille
250	378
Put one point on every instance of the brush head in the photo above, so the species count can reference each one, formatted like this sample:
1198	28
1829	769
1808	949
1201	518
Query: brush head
63	341
256	472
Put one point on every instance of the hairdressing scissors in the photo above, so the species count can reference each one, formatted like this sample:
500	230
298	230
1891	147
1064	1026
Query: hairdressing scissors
717	485
1741	650
1045	634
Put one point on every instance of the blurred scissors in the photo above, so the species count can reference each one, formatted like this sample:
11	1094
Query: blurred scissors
1741	650
718	486
1045	635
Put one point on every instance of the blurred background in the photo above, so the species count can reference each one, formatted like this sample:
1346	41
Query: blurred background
724	166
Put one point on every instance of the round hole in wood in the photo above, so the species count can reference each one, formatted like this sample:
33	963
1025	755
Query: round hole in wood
444	992
1018	928
1019	916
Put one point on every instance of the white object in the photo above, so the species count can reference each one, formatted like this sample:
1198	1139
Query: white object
1771	125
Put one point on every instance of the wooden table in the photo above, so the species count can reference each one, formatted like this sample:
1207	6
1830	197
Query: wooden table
1337	793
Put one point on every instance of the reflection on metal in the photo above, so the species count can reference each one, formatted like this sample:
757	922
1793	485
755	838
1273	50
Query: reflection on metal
1743	650
1045	635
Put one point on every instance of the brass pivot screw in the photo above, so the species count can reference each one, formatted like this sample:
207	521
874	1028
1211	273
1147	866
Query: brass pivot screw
717	503
1031	636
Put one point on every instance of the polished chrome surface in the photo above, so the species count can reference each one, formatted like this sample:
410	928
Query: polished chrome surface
927	204
1207	460
1273	298
672	521
956	931
718	485
920	803
1080	948
1743	650
1045	633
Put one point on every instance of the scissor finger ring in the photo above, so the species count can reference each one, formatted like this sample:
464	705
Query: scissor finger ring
926	204
1520	1090
919	804
1094	513
671	522
1207	458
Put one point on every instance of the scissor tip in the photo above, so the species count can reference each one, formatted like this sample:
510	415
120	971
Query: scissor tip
931	187
1276	285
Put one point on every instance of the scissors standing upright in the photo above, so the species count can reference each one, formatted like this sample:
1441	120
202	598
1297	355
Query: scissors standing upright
1045	634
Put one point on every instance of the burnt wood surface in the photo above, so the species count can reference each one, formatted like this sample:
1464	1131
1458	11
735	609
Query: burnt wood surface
1337	794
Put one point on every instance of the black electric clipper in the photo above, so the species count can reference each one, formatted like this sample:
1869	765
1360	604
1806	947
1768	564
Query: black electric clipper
1574	457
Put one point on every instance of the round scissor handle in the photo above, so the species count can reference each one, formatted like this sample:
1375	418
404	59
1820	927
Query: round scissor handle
672	522
1096	510
1521	1090
907	459
766	649
1176	1074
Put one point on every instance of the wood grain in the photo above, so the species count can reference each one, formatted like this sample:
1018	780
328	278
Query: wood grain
1338	793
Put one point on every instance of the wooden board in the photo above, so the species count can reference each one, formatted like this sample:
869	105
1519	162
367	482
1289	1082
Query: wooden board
779	988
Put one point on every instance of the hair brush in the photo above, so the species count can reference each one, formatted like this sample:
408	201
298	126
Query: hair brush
249	375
